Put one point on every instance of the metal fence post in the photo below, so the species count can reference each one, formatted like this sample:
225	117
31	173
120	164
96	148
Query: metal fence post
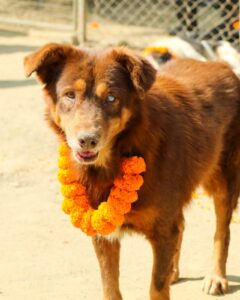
80	18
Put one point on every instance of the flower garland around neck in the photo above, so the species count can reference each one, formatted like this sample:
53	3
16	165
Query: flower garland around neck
109	213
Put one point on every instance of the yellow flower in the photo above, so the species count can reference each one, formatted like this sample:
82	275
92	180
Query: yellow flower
63	162
72	190
68	205
67	176
76	216
63	149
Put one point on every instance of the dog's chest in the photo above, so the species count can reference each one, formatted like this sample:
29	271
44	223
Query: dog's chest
116	235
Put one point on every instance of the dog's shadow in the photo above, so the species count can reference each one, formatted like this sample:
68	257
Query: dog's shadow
236	287
232	279
185	279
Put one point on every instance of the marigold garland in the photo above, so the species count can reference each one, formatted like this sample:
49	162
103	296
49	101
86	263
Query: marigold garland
110	213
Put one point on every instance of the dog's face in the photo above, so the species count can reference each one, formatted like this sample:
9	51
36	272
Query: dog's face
91	95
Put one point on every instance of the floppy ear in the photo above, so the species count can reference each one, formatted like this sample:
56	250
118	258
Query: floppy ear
141	71
47	62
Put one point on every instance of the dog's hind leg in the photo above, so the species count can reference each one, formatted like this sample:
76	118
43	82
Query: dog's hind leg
225	191
224	186
108	257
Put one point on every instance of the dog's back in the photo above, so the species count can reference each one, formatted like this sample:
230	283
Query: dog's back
213	84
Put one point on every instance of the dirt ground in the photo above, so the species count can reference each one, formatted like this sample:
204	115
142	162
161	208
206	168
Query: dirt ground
42	256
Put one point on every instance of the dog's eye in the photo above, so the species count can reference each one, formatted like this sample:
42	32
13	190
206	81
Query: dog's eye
111	98
71	95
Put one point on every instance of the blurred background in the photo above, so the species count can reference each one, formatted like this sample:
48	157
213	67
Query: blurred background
204	29
133	22
136	23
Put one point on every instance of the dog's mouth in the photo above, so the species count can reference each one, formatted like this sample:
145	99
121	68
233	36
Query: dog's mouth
86	156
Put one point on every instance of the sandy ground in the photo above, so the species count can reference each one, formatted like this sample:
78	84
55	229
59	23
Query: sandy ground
43	257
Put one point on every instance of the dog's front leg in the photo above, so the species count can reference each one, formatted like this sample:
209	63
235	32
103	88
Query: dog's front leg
175	270
164	242
108	256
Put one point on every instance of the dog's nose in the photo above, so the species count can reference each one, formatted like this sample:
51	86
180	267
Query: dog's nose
88	141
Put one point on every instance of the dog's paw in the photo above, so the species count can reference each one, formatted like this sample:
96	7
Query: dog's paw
215	285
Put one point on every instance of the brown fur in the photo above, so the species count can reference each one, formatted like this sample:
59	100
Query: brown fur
184	121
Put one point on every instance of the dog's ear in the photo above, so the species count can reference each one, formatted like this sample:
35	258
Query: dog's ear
141	71
47	62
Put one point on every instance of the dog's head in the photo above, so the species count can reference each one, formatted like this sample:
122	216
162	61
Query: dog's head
90	94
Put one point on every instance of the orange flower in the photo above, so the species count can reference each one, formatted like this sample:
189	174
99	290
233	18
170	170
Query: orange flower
107	229
74	203
110	213
63	149
85	223
81	201
100	225
133	165
129	182
98	221
236	24
63	162
68	205
119	205
72	190
67	176
76	216
127	196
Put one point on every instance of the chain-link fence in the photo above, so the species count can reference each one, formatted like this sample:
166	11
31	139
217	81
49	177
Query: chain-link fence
49	14
139	22
64	16
136	23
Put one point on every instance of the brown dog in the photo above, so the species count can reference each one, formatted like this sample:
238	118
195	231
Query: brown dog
184	121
